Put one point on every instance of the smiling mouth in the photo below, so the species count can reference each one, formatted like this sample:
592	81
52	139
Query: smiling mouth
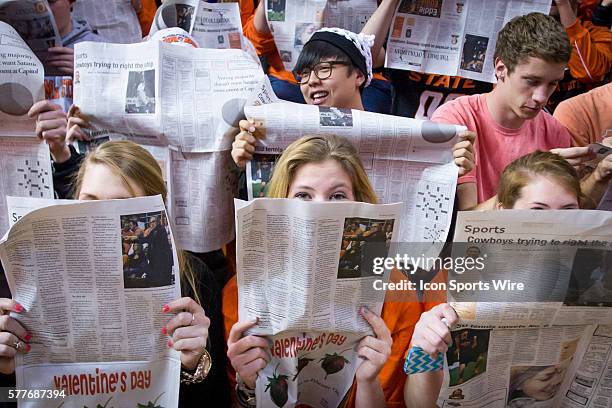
318	97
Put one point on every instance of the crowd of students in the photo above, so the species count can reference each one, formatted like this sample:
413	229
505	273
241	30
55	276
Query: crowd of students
515	154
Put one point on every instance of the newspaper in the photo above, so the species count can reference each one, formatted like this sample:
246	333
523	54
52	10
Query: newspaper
407	160
21	83
212	25
164	94
452	37
115	21
203	187
549	354
295	275
58	89
34	22
293	22
25	171
92	305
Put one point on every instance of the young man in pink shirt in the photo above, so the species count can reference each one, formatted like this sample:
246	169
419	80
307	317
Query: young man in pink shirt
531	56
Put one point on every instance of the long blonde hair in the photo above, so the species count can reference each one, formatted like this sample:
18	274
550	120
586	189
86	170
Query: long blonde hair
317	149
132	162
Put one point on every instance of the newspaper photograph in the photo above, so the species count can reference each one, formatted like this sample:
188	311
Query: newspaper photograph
34	22
212	25
164	94
407	160
293	22
309	309
25	171
452	37
522	351
58	89
93	297
21	83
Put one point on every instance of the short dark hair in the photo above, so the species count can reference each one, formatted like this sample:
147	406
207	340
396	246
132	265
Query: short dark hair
532	35
315	51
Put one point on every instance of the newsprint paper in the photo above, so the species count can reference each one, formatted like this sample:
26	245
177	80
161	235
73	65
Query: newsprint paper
407	160
294	274
92	278
536	354
452	37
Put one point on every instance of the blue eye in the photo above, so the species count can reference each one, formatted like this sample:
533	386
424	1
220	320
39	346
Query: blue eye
338	196
302	196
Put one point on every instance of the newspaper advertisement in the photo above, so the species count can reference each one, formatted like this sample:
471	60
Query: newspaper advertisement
452	37
34	22
164	94
407	160
293	22
203	187
115	21
212	25
25	171
92	298
535	353
294	275
21	83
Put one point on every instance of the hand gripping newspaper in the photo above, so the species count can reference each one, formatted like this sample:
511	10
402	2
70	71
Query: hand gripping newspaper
94	315
25	168
34	22
295	276
293	22
535	325
212	25
407	160
185	99
452	37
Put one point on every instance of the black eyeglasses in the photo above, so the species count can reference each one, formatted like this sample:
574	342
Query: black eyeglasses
322	70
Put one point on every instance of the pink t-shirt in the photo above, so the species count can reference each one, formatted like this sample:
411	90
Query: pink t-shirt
497	146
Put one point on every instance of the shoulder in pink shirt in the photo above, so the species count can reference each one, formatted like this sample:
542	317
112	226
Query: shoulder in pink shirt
497	146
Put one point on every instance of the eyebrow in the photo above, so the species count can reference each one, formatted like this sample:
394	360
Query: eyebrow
335	186
538	78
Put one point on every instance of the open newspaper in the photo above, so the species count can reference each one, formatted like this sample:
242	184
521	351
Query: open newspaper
212	25
21	83
114	20
34	22
452	37
407	160
93	277
296	272
293	22
535	353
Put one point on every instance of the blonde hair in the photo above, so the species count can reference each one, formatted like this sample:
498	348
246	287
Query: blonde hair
521	172
317	149
134	163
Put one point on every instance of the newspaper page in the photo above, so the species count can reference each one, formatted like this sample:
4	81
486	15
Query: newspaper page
212	25
295	275
203	187
164	94
533	353
93	296
407	160
115	21
25	171
21	83
452	38
293	22
58	89
34	22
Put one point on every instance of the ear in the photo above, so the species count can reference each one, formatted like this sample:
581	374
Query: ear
359	78
501	71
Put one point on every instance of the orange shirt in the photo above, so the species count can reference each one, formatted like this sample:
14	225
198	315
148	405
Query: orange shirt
146	15
401	311
591	58
588	117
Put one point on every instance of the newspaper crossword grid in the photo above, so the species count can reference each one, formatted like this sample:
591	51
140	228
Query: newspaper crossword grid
33	179
433	205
